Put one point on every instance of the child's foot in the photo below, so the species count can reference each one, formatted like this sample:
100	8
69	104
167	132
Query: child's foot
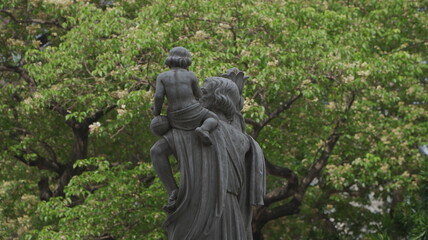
172	202
204	136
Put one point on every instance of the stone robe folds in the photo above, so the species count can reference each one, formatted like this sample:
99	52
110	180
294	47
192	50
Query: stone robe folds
218	185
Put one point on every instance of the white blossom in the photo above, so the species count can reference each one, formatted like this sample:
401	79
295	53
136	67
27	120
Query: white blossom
364	73
94	127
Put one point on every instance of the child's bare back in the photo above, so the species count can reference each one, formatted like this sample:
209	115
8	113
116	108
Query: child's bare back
180	86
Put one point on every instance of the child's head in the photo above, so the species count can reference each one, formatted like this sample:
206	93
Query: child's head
179	57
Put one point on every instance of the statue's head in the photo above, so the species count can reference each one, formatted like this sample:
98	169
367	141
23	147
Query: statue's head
221	95
179	57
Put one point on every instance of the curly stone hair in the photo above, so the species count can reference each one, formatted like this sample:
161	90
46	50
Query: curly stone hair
179	57
227	99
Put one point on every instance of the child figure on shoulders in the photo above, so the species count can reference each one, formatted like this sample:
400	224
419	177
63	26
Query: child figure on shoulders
181	88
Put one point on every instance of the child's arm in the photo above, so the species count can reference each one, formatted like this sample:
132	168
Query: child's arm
196	88
159	96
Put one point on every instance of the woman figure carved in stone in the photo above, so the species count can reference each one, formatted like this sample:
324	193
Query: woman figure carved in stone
220	182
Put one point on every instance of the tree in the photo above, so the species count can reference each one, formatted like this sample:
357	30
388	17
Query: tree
336	98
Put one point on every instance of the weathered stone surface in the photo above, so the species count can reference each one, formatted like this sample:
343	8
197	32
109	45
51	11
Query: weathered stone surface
222	171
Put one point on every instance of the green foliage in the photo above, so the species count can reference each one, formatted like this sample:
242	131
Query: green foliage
19	199
120	200
104	58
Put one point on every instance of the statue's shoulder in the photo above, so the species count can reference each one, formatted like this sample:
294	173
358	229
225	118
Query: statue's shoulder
166	77
164	74
236	136
187	73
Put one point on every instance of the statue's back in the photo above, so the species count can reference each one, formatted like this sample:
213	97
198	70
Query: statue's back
178	88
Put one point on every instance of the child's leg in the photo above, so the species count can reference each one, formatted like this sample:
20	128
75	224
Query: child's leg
210	122
159	154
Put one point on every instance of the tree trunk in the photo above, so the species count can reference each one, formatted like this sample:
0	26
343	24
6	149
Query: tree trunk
257	235
44	191
79	151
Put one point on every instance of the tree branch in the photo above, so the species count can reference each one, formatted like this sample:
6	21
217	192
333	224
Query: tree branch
281	109
283	192
42	163
45	192
321	162
37	21
99	114
252	122
257	127
22	73
50	150
265	214
139	84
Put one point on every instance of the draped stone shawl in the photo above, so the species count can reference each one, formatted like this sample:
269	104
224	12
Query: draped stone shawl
218	185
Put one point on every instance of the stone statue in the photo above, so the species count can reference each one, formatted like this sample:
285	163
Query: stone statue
182	90
220	178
